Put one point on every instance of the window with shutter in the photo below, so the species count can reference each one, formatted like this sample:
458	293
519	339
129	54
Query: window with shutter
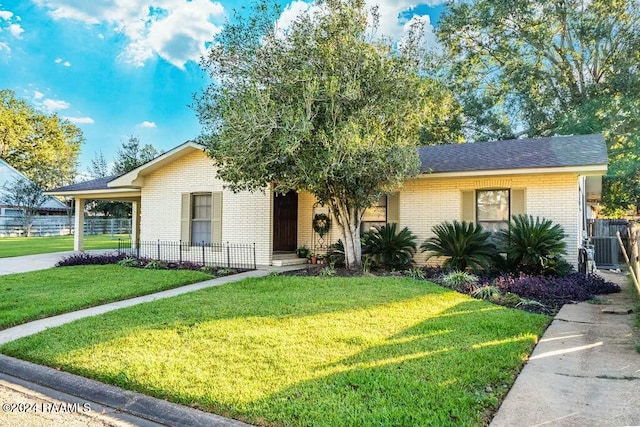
201	218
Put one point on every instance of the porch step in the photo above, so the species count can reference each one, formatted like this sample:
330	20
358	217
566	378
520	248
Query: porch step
288	261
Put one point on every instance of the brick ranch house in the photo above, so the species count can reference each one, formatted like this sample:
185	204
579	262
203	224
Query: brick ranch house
177	196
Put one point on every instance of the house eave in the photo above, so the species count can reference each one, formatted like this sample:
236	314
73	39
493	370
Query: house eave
135	178
588	170
121	194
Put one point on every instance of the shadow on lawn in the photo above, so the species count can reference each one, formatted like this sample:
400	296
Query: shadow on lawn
417	377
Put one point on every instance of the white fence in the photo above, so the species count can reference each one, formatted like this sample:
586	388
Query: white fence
58	225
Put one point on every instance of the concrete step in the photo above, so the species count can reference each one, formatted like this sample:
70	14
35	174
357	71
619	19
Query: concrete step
288	261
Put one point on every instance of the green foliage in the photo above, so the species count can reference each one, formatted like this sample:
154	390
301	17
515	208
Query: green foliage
390	248
336	253
320	107
416	273
132	154
488	292
128	262
156	265
43	147
327	271
546	68
532	245
460	281
129	156
464	244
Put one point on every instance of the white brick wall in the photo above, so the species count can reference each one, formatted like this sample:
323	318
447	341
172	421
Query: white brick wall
428	202
246	217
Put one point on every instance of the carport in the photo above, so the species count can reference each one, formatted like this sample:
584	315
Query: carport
98	189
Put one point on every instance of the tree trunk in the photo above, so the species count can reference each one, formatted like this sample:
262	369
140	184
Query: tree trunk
348	221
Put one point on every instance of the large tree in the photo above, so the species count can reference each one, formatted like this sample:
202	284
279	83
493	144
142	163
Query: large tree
320	106
539	68
132	154
129	156
43	147
26	195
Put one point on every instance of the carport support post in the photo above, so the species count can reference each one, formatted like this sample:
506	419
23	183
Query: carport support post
135	224
78	234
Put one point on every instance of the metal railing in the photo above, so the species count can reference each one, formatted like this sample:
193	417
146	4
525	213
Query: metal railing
227	255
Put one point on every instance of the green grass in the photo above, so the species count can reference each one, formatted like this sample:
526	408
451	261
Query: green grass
19	246
38	294
313	351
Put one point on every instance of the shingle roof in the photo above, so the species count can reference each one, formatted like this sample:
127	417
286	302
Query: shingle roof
558	151
94	184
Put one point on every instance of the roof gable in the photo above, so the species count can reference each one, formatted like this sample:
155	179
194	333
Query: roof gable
528	153
8	174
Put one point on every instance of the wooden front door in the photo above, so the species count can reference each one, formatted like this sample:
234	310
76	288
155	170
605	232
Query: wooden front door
285	221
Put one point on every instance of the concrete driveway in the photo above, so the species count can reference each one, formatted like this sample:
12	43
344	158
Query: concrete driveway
22	264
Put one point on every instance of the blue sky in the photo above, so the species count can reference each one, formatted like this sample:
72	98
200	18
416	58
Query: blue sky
130	67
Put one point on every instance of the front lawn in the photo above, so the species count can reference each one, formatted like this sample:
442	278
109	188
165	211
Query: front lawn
306	351
19	246
37	294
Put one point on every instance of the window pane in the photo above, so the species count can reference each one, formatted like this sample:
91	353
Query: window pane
493	205
375	213
201	231
202	206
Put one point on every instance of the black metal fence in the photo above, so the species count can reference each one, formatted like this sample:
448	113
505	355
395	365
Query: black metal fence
228	255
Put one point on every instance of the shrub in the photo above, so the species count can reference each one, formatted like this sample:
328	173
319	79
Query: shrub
327	272
416	273
556	291
84	258
156	265
459	281
464	244
336	254
129	262
533	246
390	248
488	292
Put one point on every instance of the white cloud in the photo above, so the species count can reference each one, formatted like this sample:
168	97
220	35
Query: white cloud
80	120
147	124
52	105
175	30
16	30
38	95
60	61
4	46
6	15
67	64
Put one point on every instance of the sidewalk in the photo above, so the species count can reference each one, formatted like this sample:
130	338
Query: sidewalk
585	371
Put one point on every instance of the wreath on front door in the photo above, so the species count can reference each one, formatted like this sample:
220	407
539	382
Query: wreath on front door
321	224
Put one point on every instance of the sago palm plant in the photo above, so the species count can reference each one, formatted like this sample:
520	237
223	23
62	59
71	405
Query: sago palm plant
532	245
390	248
463	244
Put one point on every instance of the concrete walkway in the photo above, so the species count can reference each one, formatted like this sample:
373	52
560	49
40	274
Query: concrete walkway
585	371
